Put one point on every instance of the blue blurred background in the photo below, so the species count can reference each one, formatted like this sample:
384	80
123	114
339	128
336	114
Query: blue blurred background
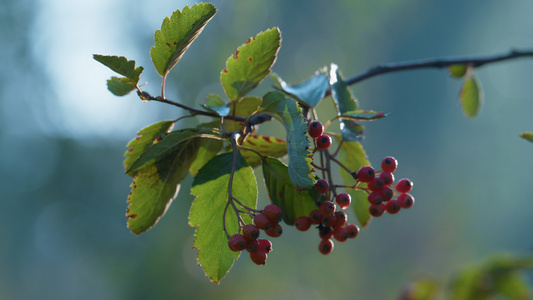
63	190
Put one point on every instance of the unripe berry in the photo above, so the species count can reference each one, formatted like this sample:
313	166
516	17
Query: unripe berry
273	212
265	245
315	129
406	200
376	210
387	193
375	198
343	200
353	230
404	185
262	221
325	247
341	217
274	231
258	257
365	174
250	232
237	243
322	186
340	234
389	164
325	232
302	223
316	216
327	208
393	206
323	142
376	185
387	177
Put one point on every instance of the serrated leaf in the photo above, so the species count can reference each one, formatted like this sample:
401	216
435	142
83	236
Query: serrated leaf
120	86
362	115
266	145
471	96
290	115
352	155
243	108
122	66
309	92
527	135
208	149
250	64
282	192
169	143
351	131
177	33
155	186
210	186
144	140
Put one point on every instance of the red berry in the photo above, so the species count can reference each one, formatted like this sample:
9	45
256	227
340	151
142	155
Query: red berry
329	220
265	245
315	129
274	231
375	198
327	208
258	257
343	200
387	193
302	223
393	206
237	243
340	234
322	186
250	232
325	233
387	177
316	216
325	247
376	210
404	185
353	230
323	142
376	185
273	212
341	217
262	221
389	164
365	174
252	246
406	200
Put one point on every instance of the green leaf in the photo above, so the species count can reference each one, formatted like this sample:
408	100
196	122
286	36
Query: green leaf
250	64
422	289
352	155
243	108
308	93
266	145
471	96
144	140
290	115
282	192
177	33
120	86
208	149
216	105
527	135
169	143
210	186
362	115
156	184
122	66
458	71
351	131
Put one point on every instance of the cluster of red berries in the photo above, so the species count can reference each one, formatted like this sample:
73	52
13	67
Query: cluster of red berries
381	195
268	221
316	131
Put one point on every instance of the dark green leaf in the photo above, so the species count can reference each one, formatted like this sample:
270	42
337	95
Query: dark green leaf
282	192
156	184
310	92
290	115
362	115
210	186
177	33
122	66
352	156
527	135
471	96
265	145
144	140
250	64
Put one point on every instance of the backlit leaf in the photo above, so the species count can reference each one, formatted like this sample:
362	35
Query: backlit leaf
308	93
362	115
282	192
250	64
208	149
243	108
471	96
527	135
177	33
210	186
120	86
458	71
290	115
266	145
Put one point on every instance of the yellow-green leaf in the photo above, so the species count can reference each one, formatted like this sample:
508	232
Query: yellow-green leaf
265	145
471	96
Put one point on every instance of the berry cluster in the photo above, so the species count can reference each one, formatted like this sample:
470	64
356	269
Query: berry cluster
267	220
382	194
316	131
